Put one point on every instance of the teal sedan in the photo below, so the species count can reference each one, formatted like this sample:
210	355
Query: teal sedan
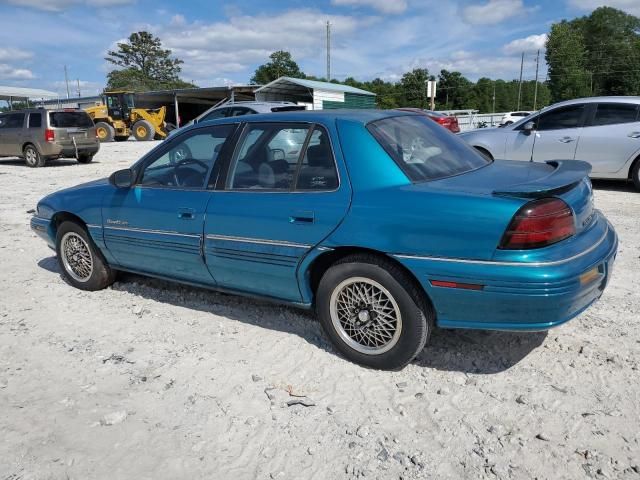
384	223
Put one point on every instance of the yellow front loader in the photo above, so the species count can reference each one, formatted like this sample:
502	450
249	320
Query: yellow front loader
117	118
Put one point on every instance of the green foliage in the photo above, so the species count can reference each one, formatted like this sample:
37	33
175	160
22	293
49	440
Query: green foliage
598	54
145	65
413	87
455	92
280	65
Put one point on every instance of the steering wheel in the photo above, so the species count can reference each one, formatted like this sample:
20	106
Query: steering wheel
182	163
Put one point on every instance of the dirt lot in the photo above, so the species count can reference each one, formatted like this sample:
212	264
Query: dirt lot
150	380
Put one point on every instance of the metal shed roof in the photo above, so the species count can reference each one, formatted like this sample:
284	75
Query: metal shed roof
18	93
288	84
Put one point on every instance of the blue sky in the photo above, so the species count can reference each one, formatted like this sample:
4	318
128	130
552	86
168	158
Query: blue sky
224	41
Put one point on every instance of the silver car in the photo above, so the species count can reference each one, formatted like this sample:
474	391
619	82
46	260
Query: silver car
604	131
38	135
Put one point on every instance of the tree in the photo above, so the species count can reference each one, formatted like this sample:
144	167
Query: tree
413	87
280	65
566	56
145	65
454	92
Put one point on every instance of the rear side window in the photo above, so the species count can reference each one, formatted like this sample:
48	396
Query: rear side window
35	120
563	117
70	120
614	113
423	150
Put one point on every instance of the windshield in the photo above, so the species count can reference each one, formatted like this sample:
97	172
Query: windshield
70	119
423	149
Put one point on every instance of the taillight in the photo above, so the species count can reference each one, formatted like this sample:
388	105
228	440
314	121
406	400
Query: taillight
49	135
539	223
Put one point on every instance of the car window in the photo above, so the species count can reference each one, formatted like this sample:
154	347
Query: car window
14	120
239	111
218	113
187	163
318	167
35	120
3	121
560	118
423	149
267	157
614	113
70	120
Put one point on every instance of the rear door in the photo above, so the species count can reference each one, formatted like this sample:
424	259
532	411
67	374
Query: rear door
558	133
611	137
272	209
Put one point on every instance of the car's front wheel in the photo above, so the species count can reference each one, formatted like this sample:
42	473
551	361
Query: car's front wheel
80	261
373	311
635	174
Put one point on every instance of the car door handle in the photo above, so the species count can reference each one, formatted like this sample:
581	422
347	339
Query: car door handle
634	135
186	213
566	139
301	217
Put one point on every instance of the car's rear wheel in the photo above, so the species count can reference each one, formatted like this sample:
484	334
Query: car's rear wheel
80	261
32	157
85	158
105	132
143	131
635	174
373	311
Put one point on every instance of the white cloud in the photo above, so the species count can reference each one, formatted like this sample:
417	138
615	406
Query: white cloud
12	54
629	6
492	12
7	72
384	6
214	50
529	44
60	5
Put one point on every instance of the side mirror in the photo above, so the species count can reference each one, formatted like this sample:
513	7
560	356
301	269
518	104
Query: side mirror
528	127
122	178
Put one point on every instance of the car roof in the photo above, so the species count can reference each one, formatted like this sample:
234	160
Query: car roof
611	99
363	116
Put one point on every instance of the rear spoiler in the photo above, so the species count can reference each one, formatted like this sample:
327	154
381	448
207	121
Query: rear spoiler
565	175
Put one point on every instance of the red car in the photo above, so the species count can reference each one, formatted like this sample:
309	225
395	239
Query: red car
447	121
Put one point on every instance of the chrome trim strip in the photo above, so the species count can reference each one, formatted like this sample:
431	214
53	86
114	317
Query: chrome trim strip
90	225
260	241
158	232
508	264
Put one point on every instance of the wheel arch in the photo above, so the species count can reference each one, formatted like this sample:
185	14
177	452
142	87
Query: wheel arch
632	166
484	151
324	261
59	217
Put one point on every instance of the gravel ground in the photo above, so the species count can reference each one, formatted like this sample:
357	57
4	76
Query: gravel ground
152	380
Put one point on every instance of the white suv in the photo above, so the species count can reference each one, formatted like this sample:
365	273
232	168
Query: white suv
512	117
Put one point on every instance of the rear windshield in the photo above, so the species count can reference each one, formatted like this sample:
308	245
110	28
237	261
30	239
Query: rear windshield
423	149
288	108
70	119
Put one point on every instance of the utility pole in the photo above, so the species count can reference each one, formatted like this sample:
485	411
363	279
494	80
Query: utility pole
493	109
66	80
78	81
520	83
328	51
535	89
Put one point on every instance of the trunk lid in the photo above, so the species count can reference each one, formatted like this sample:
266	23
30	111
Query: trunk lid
564	179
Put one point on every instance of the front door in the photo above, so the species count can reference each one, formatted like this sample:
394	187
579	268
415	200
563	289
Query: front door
282	196
12	133
558	133
156	226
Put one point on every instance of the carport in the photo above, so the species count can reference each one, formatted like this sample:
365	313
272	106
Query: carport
316	95
11	94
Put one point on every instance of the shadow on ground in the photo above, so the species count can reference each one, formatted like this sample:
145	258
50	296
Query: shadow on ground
613	185
468	351
62	162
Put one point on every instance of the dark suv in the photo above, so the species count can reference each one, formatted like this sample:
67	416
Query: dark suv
38	135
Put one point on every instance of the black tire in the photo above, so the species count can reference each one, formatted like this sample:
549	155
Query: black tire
485	153
416	313
120	138
143	131
635	174
105	132
32	156
86	158
100	276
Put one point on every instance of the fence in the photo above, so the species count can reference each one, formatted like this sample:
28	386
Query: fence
472	120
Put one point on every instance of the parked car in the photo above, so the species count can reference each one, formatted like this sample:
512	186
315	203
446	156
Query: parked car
38	135
385	225
512	117
603	131
237	109
449	122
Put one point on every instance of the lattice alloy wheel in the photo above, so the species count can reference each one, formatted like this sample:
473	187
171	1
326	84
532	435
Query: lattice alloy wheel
365	315
76	257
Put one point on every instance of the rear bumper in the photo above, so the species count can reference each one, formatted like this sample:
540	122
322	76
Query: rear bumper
69	151
517	296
